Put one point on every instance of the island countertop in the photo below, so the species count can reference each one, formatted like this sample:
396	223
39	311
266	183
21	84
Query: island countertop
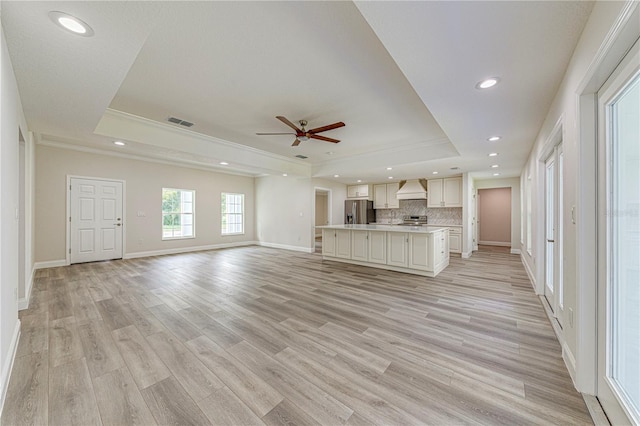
387	228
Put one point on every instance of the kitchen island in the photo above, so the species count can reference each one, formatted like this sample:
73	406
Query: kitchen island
420	250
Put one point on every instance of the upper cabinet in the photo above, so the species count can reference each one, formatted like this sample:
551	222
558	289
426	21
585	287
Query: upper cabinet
384	196
360	192
445	192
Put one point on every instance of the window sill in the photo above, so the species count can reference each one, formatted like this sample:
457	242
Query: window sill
232	234
177	238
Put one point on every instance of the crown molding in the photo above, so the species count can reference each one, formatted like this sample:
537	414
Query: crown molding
178	163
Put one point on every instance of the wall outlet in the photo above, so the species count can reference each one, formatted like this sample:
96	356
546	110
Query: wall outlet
141	213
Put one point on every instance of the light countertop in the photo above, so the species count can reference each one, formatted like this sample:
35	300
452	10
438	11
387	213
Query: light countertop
388	228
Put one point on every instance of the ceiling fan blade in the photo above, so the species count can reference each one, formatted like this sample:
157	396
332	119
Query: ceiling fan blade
322	138
288	123
327	127
262	134
296	142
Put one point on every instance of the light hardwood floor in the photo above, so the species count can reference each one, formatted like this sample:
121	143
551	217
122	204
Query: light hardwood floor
256	335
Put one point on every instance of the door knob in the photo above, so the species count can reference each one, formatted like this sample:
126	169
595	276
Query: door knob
550	241
117	224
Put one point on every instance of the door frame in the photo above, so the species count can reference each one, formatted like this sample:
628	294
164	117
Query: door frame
317	189
67	249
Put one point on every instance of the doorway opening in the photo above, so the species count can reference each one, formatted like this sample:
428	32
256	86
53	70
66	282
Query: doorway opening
494	217
322	213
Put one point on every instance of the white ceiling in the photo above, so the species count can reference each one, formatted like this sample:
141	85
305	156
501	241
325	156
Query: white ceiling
401	75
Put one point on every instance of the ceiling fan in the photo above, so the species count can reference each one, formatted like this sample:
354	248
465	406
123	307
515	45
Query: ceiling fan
303	135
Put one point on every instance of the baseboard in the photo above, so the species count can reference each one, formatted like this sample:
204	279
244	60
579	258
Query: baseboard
569	361
50	264
529	273
6	371
23	303
465	255
494	243
515	251
163	252
286	247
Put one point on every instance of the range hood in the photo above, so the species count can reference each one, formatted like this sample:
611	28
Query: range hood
413	189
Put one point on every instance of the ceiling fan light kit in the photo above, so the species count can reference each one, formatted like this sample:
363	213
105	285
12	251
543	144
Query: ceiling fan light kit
303	135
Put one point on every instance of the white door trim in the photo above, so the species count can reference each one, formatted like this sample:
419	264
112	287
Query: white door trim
313	207
67	249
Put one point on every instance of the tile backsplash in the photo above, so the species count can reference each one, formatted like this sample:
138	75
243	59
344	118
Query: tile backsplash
440	216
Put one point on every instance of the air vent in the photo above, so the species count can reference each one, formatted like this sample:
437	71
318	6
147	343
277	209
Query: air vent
301	156
455	168
179	121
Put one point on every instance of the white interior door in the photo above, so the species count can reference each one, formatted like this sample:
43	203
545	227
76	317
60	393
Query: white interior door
95	219
618	386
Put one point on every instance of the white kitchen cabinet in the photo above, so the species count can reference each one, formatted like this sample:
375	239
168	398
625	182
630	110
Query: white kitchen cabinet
440	247
445	192
384	196
419	252
378	247
398	249
360	245
329	242
455	240
360	192
343	243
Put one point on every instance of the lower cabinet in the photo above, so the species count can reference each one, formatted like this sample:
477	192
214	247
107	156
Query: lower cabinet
398	249
360	245
343	243
369	246
455	240
419	252
378	247
329	242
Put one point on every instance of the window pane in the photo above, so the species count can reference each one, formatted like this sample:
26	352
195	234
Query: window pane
625	244
177	213
232	207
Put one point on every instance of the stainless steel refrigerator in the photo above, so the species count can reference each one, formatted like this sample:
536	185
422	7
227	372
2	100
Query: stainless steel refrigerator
359	211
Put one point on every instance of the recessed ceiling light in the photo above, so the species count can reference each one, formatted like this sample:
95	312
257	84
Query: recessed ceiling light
224	163
493	154
489	82
119	143
359	180
496	174
389	168
434	173
336	175
495	166
71	23
390	177
494	138
284	174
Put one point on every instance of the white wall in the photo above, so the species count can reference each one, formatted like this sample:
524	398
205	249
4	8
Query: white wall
338	196
579	181
144	183
514	184
284	215
285	208
11	119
